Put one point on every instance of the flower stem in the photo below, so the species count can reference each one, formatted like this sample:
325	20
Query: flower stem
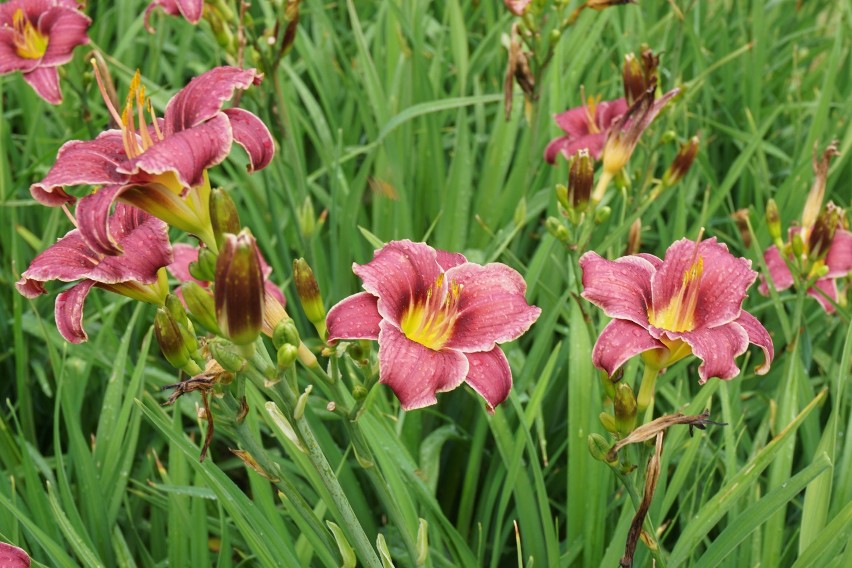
646	390
600	188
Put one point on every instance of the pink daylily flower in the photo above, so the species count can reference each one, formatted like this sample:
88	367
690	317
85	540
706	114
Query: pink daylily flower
438	319
191	10
518	7
688	303
136	273
13	557
160	168
838	259
585	126
36	36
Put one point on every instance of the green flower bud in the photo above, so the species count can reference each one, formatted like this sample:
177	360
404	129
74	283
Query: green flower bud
223	215
599	448
625	409
562	196
602	214
307	218
176	342
285	333
286	356
798	245
204	268
199	301
309	294
608	422
239	290
557	229
422	543
773	223
227	356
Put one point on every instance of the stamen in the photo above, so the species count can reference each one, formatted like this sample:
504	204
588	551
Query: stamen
147	142
69	215
154	120
102	88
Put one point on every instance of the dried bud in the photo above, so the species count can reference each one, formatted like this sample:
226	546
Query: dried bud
740	217
823	231
634	78
682	162
239	291
813	204
517	69
199	302
634	237
773	223
581	177
625	409
309	294
223	215
650	63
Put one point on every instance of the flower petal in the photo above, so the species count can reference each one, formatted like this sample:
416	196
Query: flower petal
251	133
607	111
492	307
447	260
575	121
758	335
489	375
621	287
355	317
184	255
13	557
414	372
186	153
204	96
93	216
839	256
779	272
716	347
68	259
45	81
400	272
828	286
69	312
144	239
66	29
619	341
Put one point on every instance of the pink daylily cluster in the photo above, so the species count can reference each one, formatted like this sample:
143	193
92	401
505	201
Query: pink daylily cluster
36	36
688	303
438	319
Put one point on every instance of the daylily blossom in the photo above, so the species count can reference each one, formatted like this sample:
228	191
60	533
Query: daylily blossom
518	7
136	274
585	126
160	167
688	303
438	319
191	10
36	36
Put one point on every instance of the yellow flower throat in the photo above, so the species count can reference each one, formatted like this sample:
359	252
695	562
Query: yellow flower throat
679	314
29	43
429	321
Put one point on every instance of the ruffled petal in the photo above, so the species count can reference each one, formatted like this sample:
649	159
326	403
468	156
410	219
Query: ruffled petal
13	557
45	81
758	335
93	219
489	375
145	241
400	273
186	153
68	259
251	133
828	287
9	59
839	256
355	317
66	29
69	312
607	111
619	341
191	10
184	255
414	372
492	307
575	121
204	96
621	287
90	162
717	347
447	260
779	272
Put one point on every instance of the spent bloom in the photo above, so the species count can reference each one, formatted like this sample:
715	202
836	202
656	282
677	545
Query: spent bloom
36	36
688	303
136	274
438	319
159	167
191	10
585	126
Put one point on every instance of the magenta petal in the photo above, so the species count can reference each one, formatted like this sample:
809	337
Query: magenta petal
828	286
191	9
145	241
45	81
716	347
251	133
619	341
66	28
621	287
575	121
204	96
554	148
400	272
69	312
184	255
779	272
13	557
93	213
447	260
355	317
839	256
492	307
414	372
607	111
68	259
489	375
186	153
758	335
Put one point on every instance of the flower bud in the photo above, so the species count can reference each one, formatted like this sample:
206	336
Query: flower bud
309	294
239	291
798	245
682	162
773	223
813	204
306	217
607	420
227	356
740	217
557	229
176	341
223	215
602	214
823	231
204	268
599	448
286	356
634	78
422	543
199	302
562	196
625	409
634	237
286	333
581	176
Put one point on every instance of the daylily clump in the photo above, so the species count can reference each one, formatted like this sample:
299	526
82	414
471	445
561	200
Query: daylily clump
136	274
191	10
438	319
689	303
38	36
586	126
159	166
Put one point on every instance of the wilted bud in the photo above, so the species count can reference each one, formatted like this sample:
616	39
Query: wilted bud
176	342
291	12
773	223
223	215
599	448
285	334
813	204
204	268
607	420
309	294
581	176
239	291
634	78
199	302
650	63
634	237
740	217
682	162
625	409
823	231
517	70
557	229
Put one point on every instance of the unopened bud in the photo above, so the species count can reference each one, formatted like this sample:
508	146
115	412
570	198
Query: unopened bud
227	356
309	294
625	409
581	177
823	231
176	341
773	223
602	214
223	215
813	204
422	543
286	356
557	229
285	334
740	217
204	268
798	245
239	291
562	196
599	448
607	420
682	162
307	218
199	302
634	237
634	78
